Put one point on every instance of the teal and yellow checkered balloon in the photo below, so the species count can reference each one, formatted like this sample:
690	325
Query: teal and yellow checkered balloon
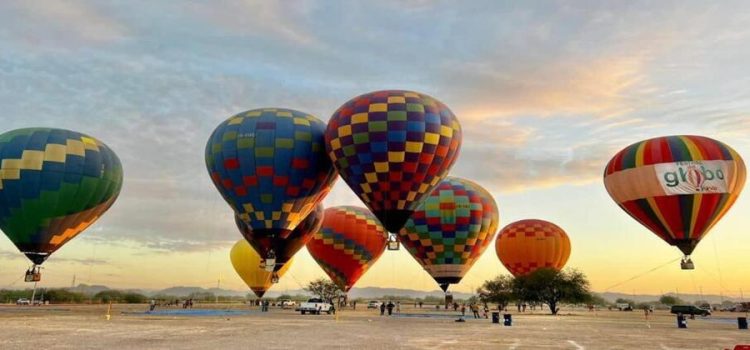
54	184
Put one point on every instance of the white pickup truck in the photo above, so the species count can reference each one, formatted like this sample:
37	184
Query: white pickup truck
315	306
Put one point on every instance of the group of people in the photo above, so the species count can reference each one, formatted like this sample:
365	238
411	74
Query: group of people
474	310
522	306
390	306
187	303
264	304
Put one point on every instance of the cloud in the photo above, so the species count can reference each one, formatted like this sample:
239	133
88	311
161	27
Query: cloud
87	262
597	87
508	155
11	255
62	23
278	20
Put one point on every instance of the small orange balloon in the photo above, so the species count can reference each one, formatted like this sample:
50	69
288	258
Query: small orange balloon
527	245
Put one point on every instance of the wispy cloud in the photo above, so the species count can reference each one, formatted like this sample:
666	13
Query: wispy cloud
285	21
62	23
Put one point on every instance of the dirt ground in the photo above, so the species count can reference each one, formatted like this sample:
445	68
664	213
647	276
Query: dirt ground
85	327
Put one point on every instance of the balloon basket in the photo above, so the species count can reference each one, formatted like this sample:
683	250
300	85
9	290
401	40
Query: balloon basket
33	274
393	242
687	263
269	264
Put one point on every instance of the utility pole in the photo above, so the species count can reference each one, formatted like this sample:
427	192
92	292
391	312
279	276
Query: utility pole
73	284
218	287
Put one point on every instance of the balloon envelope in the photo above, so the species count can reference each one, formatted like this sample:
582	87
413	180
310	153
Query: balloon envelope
451	229
247	263
349	241
54	183
392	148
271	167
677	186
527	245
283	248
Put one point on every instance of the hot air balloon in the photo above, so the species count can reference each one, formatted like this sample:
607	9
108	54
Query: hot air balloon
527	245
54	183
270	166
247	263
280	250
451	229
677	186
349	241
392	148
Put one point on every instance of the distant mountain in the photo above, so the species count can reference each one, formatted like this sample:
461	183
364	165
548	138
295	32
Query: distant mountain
88	289
185	291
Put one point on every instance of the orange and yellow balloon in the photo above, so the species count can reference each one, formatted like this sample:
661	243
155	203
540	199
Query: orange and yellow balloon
246	262
527	245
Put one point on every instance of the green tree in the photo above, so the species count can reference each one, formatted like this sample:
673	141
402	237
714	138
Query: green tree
133	298
325	289
202	296
63	296
107	296
670	300
551	287
497	291
284	297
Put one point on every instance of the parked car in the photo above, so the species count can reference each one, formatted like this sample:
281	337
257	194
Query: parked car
288	304
315	306
624	307
689	310
373	304
23	301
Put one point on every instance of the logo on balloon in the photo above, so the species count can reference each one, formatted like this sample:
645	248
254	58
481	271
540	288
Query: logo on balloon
693	177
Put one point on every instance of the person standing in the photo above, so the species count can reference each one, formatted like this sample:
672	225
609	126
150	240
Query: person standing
382	309
390	308
463	309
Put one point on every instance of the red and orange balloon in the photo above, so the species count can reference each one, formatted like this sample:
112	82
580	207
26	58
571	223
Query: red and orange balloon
349	241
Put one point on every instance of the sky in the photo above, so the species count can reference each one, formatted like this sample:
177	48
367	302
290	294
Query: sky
546	93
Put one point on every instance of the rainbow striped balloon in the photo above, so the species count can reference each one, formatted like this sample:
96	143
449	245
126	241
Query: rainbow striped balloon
677	186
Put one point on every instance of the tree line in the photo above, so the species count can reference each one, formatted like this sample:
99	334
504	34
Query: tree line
543	286
67	296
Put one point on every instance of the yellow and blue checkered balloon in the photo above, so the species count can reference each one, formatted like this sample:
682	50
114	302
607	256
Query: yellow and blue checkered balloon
54	183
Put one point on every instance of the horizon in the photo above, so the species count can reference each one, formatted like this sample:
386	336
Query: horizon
545	98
